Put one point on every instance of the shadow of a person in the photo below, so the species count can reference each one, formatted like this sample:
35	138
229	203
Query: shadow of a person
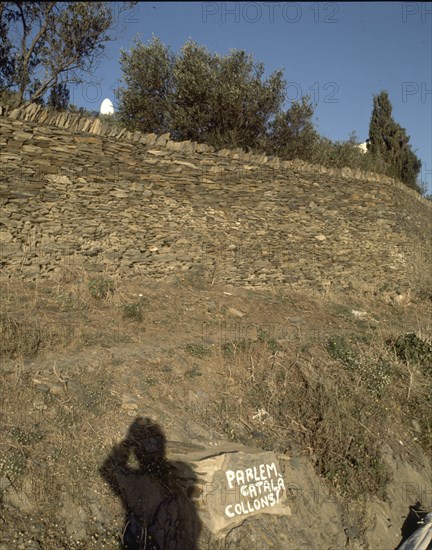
159	515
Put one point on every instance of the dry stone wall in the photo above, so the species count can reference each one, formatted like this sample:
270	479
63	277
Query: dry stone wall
75	193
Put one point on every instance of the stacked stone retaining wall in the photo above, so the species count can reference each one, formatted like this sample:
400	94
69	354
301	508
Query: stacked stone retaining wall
75	193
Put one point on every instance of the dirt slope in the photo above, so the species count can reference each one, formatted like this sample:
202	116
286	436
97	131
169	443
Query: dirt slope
331	383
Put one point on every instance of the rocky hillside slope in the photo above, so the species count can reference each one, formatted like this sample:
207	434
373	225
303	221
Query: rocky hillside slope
275	419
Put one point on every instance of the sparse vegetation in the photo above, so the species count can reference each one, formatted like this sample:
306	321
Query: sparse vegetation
325	414
101	287
411	349
134	310
337	399
13	465
193	372
150	381
17	337
271	342
198	350
25	436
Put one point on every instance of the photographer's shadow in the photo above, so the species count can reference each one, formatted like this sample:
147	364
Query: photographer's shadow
159	514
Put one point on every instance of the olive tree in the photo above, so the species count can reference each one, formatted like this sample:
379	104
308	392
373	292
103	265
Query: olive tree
221	100
45	44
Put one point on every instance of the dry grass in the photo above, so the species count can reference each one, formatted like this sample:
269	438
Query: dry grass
335	388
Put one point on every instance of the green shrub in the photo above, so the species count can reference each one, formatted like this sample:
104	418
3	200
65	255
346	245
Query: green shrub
374	375
198	350
411	349
134	311
341	350
101	287
271	343
12	465
26	436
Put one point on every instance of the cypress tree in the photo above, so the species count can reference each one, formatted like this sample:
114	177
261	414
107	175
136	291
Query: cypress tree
390	142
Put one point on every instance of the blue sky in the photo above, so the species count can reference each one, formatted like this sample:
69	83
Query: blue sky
341	54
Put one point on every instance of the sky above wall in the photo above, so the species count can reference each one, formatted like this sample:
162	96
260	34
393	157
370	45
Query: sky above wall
340	54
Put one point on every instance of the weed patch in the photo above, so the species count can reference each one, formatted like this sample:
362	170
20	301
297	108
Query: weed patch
374	374
13	465
269	341
193	372
19	337
198	350
410	348
26	437
150	381
327	414
101	287
134	310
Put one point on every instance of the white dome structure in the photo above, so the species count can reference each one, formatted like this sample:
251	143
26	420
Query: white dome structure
107	108
363	146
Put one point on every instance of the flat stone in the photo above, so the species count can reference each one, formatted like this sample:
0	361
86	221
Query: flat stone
17	497
296	320
188	164
75	519
4	483
235	483
161	140
235	312
31	149
129	402
39	403
119	194
22	136
156	152
57	389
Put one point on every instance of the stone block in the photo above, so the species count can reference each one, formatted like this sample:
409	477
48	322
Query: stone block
235	483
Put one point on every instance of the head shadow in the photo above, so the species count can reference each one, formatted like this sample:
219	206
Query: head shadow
155	493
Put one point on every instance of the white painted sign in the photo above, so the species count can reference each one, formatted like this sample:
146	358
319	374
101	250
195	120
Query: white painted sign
261	486
234	486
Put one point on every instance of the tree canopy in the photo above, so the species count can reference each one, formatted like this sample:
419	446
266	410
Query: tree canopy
144	100
198	95
292	133
44	45
226	101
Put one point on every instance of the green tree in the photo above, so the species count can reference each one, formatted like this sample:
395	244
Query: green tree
44	44
6	57
245	102
221	100
390	142
195	80
144	103
292	134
